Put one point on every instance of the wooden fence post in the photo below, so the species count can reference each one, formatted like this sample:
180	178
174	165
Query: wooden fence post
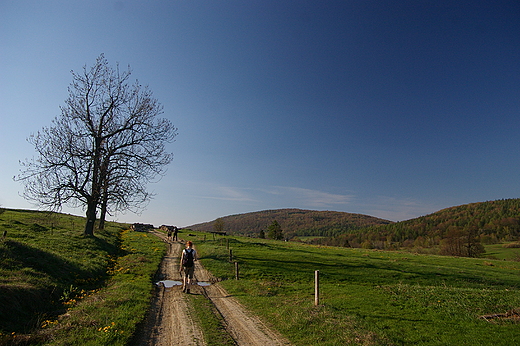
230	255
316	287
237	276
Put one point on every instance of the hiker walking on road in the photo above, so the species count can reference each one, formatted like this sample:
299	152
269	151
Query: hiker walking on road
188	258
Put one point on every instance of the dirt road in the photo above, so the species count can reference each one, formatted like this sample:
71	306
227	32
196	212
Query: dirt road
170	322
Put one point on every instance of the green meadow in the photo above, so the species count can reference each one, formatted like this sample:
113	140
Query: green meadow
58	287
369	297
502	252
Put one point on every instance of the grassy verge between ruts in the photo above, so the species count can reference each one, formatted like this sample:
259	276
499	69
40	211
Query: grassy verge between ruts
370	297
210	321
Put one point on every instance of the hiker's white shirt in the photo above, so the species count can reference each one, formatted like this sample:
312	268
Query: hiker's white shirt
194	253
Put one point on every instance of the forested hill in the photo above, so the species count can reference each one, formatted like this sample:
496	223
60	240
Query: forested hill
458	231
486	222
294	222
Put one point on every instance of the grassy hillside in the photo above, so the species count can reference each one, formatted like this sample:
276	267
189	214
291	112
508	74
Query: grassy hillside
294	222
42	257
53	280
370	297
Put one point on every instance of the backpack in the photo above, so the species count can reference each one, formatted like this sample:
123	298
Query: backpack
187	260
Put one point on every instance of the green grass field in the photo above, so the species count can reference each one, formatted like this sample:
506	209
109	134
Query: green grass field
58	287
370	297
501	252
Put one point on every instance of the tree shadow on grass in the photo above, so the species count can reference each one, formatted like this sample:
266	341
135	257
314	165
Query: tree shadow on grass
32	285
373	273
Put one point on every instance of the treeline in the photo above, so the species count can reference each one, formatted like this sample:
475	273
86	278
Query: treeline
458	231
293	222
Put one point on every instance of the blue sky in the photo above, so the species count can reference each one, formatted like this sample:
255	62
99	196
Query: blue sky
394	109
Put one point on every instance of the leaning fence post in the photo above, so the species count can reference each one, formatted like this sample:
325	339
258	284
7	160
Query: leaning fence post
316	287
230	255
236	271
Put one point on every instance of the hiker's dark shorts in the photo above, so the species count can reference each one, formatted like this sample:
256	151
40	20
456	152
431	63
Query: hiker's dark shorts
188	272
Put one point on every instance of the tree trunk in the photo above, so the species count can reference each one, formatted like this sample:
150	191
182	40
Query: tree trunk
91	219
103	214
92	202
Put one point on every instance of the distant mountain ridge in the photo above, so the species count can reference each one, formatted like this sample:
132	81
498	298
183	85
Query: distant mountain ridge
490	221
294	222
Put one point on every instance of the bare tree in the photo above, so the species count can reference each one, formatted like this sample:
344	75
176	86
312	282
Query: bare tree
103	149
218	225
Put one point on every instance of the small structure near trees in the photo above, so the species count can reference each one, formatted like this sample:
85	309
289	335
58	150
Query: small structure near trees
142	227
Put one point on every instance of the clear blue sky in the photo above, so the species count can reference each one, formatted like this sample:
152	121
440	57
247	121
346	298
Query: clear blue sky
394	109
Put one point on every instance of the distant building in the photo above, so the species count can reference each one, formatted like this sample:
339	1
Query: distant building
142	227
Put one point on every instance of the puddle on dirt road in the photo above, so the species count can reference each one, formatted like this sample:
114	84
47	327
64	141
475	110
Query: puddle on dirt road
169	283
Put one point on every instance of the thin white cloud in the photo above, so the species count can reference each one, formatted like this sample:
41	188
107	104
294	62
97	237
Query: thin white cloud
228	193
396	209
310	198
285	196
